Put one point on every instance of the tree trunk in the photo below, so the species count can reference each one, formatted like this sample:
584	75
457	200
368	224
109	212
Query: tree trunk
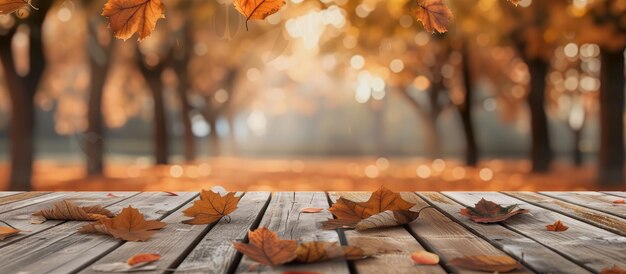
541	151
465	111
185	110
181	61
611	162
433	142
214	139
161	149
99	62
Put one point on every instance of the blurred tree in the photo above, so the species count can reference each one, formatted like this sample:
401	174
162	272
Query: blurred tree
23	70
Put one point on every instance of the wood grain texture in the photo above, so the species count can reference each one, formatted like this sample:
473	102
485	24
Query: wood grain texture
21	218
587	245
616	193
590	199
535	256
20	200
9	193
447	238
394	245
215	253
57	251
606	221
284	217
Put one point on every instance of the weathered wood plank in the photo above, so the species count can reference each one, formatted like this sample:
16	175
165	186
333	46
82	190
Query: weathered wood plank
609	222
447	238
215	253
20	218
284	217
20	200
616	193
57	251
587	245
596	200
394	245
9	193
535	256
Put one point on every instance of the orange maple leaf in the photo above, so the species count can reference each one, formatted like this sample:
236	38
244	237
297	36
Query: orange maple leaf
490	212
128	17
434	15
211	207
266	248
258	9
129	225
557	226
11	6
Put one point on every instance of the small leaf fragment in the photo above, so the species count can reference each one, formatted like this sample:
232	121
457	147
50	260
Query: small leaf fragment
311	210
169	193
143	258
558	226
619	201
424	257
6	232
490	263
613	270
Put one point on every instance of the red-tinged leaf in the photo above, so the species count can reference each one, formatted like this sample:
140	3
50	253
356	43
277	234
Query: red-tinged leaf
558	226
425	258
112	195
613	270
620	201
143	258
311	210
169	193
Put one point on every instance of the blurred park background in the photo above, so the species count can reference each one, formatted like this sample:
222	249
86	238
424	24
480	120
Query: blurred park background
323	95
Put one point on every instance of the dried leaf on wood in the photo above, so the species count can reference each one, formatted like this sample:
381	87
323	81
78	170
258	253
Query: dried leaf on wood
211	207
67	210
425	257
6	232
313	252
143	258
169	193
311	210
11	6
258	10
266	248
434	15
128	17
488	263
557	226
490	212
129	225
613	270
620	201
389	218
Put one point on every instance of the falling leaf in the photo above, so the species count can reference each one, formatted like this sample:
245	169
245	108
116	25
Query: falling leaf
169	193
266	248
490	212
311	210
128	17
143	258
620	201
129	225
613	270
6	232
258	9
11	6
67	210
211	207
313	252
488	263
425	257
381	200
557	226
434	15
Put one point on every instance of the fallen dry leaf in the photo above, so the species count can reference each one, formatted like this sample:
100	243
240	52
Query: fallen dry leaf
6	231
389	218
259	10
490	212
143	258
211	207
129	225
67	210
311	210
313	252
169	193
557	226
613	270
620	201
488	263
425	257
128	17
266	248
11	6
434	15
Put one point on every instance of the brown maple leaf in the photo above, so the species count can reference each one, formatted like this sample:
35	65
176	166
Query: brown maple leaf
381	200
129	225
128	17
211	207
258	9
313	252
434	15
557	226
613	270
11	6
67	210
389	218
490	212
489	263
7	231
266	248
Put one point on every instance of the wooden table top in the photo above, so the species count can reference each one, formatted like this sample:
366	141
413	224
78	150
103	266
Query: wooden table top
595	240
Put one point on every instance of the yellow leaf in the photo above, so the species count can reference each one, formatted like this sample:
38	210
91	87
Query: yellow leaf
128	17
